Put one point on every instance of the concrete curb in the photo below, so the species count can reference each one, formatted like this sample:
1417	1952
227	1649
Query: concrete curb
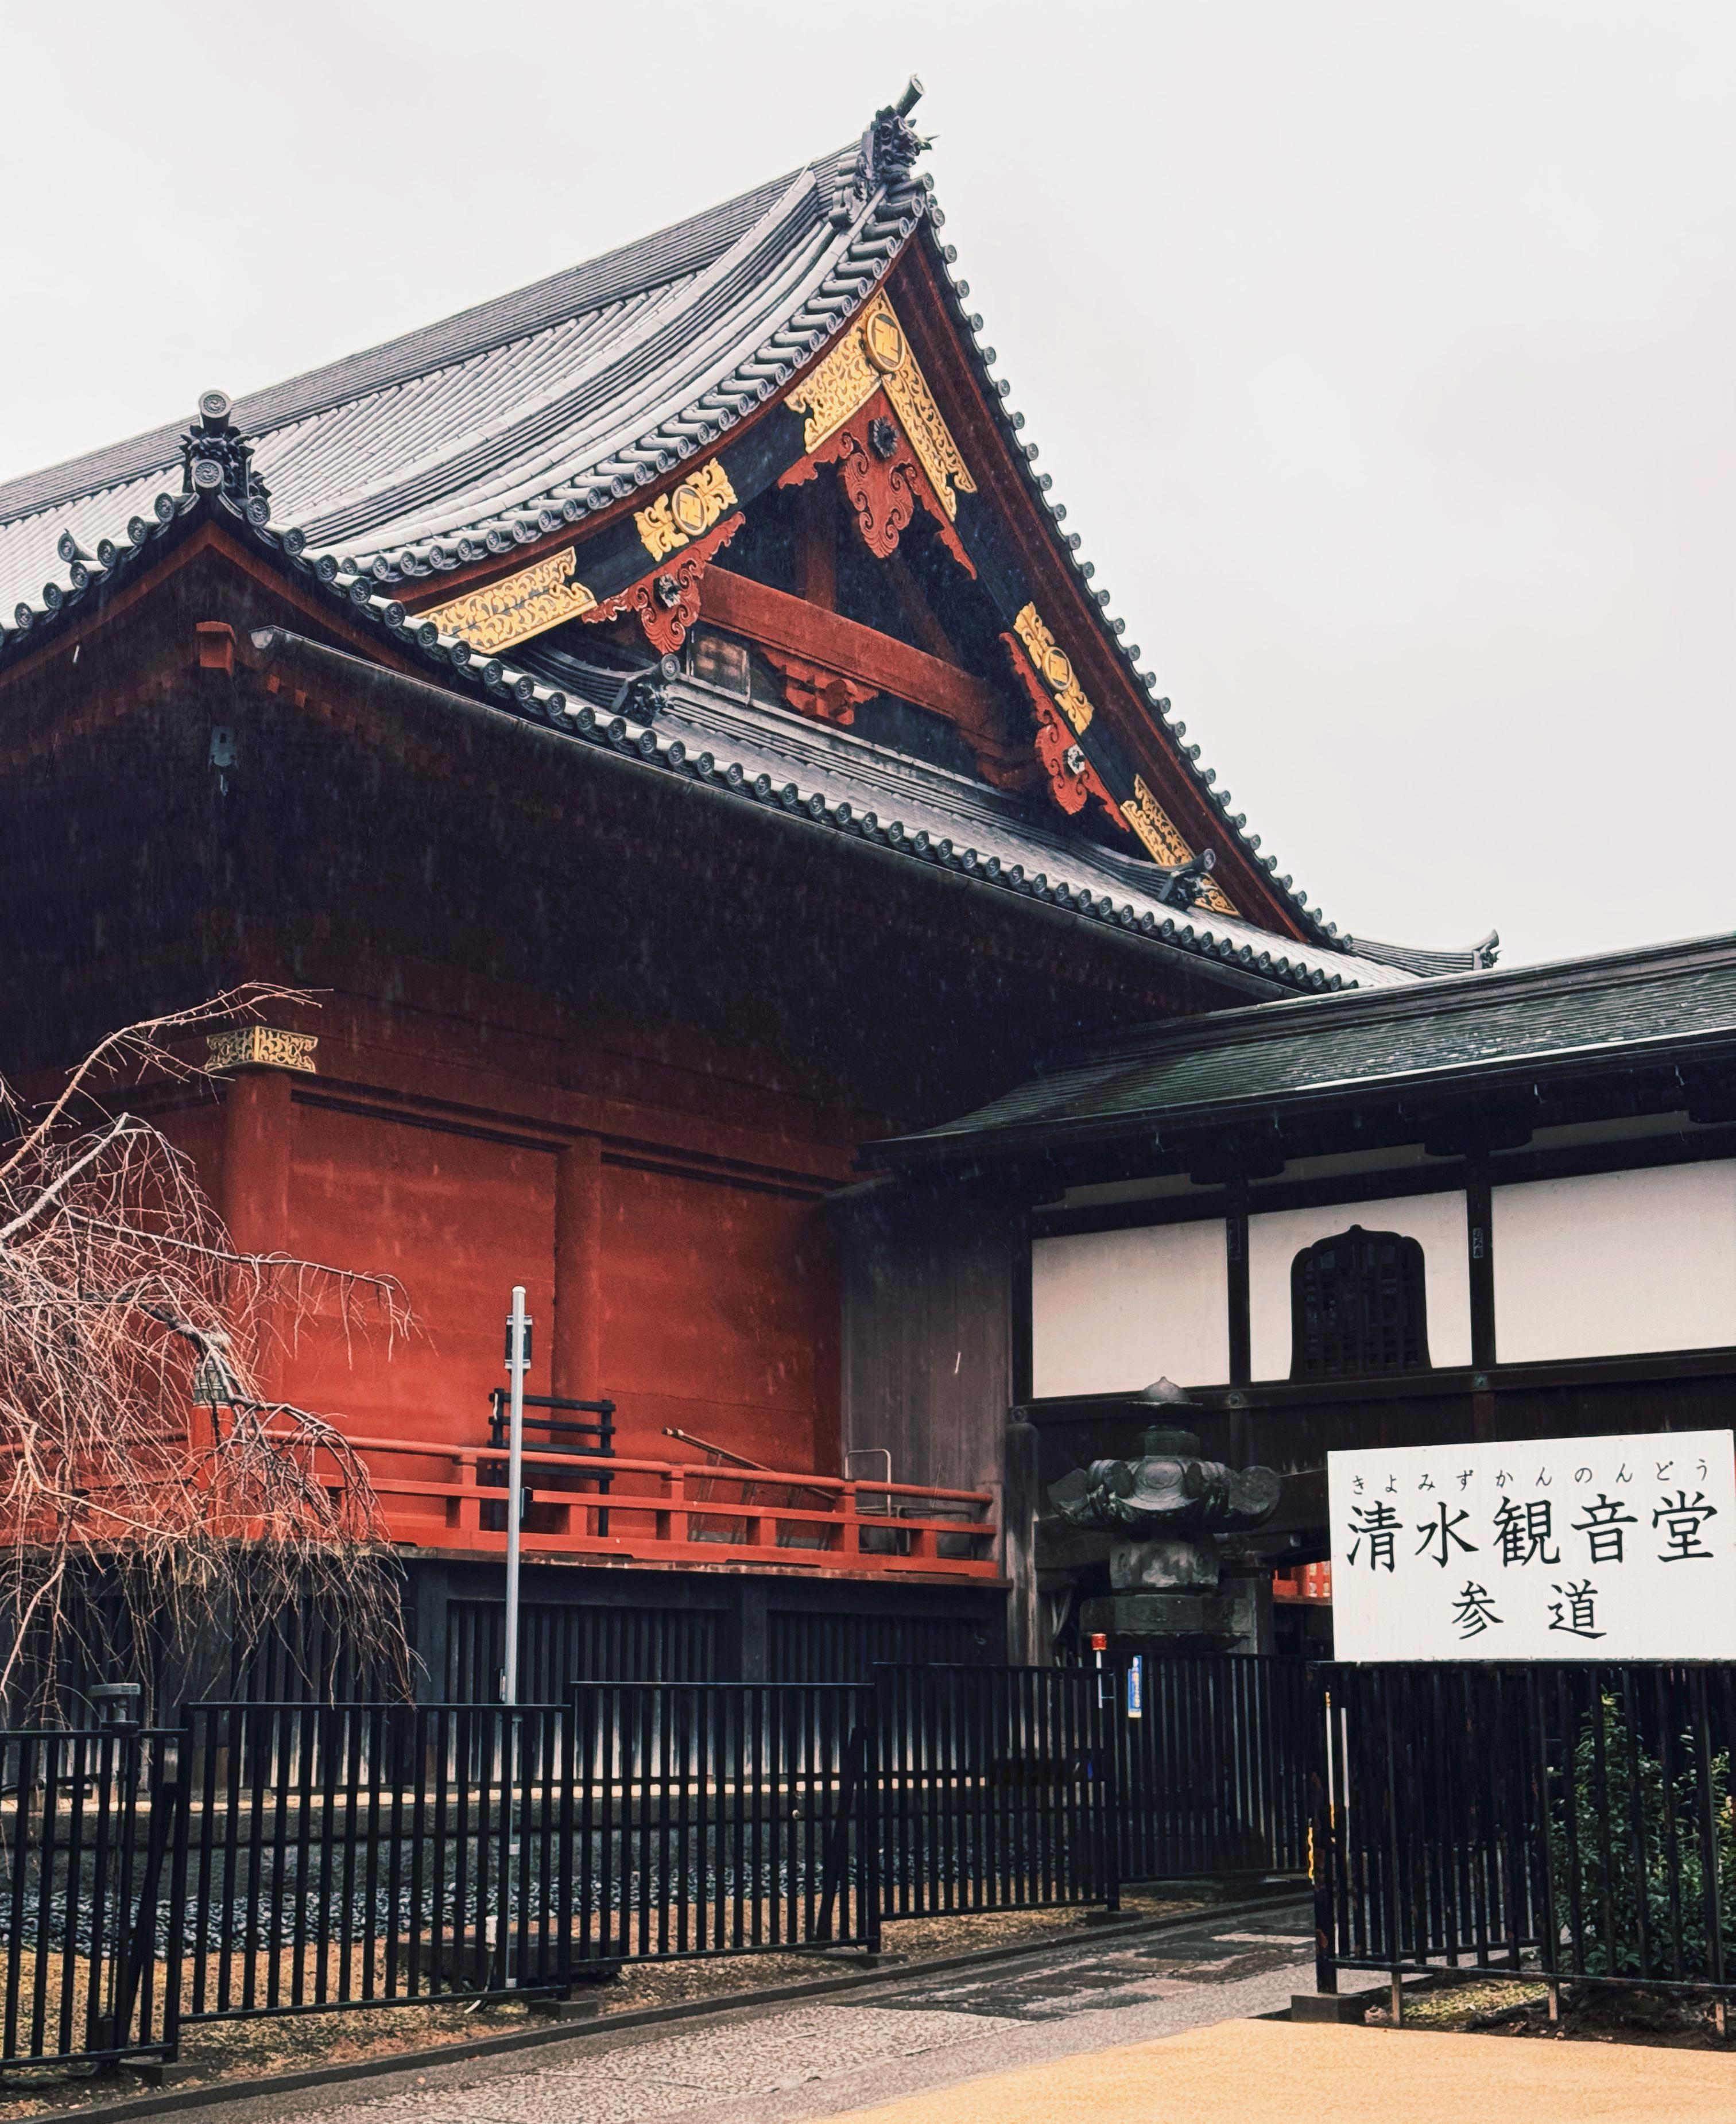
215	2092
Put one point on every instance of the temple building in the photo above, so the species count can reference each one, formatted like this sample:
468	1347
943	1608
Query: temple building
664	729
1497	1209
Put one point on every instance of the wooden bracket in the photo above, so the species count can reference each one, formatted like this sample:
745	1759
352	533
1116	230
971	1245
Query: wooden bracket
214	642
666	601
1073	780
882	478
813	690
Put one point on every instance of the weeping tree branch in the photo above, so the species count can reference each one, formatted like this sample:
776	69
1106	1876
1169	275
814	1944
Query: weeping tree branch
123	1306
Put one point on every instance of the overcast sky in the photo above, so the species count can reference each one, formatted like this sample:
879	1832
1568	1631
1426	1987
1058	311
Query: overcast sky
1383	355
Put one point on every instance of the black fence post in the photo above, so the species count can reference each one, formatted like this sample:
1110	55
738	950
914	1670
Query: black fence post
140	1950
1109	1824
174	1945
867	1829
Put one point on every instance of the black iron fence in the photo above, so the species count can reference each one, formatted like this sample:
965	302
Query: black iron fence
996	1789
1561	1822
1215	1774
295	1858
357	1854
87	1826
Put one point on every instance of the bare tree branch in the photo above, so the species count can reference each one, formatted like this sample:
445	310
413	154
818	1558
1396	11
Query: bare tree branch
123	1519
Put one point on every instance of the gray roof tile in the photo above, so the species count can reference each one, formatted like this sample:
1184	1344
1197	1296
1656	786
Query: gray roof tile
1186	1074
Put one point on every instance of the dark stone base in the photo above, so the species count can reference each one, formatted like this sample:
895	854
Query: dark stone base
1237	1618
1339	2006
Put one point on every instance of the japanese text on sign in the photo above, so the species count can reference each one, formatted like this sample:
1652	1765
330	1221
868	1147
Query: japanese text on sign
1614	1549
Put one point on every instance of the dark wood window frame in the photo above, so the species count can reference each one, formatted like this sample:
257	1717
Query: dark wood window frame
1358	1307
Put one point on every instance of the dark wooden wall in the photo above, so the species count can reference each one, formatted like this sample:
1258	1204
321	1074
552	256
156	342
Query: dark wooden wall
927	1330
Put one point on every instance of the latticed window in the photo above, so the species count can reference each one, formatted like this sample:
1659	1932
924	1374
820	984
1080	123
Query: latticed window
1356	1307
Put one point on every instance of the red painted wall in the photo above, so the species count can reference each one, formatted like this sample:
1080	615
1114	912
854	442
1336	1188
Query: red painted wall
458	1219
715	1291
719	1307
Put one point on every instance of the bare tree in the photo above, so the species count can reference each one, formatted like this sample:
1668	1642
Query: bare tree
149	1491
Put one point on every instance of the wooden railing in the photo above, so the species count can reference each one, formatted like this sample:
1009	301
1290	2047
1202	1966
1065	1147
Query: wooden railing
661	1512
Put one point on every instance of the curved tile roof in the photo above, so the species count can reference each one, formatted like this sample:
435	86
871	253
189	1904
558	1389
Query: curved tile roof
1669	1008
496	427
842	783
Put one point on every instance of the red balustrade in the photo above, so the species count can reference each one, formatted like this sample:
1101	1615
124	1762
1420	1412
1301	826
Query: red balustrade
669	1512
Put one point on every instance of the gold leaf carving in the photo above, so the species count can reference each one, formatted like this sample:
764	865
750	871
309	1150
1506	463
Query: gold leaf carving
1052	662
1148	820
686	511
843	381
517	606
874	355
931	437
261	1046
658	528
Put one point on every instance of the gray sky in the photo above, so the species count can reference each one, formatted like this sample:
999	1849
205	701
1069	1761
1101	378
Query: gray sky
1383	355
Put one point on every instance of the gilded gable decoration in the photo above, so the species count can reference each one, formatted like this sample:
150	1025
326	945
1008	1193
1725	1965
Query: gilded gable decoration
686	512
666	601
517	606
1057	667
1072	778
260	1047
882	481
1148	820
874	355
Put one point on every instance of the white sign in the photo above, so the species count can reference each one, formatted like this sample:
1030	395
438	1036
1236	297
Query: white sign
1612	1548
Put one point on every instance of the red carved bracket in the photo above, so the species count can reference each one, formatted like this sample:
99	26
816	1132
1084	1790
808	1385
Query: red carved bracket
1072	778
882	479
667	600
813	690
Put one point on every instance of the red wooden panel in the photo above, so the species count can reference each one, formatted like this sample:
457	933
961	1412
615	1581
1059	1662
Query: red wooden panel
459	1220
718	1317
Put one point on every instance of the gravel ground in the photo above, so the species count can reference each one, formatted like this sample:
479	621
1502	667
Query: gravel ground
243	2050
774	2064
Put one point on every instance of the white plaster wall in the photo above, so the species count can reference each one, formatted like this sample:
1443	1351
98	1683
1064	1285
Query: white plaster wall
1112	1311
1278	1236
1616	1262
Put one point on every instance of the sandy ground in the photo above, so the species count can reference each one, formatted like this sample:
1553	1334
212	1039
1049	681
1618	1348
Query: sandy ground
1260	2072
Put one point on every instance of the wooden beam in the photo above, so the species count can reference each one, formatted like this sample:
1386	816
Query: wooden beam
845	646
1479	1239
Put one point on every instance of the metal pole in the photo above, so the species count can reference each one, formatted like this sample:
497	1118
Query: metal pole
518	1363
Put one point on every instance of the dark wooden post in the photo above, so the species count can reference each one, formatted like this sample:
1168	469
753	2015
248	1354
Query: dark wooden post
1236	1263
1020	1497
430	1595
1480	1242
751	1631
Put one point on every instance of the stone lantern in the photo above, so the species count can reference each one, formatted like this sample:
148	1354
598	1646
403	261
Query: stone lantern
1165	1510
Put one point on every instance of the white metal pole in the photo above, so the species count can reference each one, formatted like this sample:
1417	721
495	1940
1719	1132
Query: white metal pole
518	1363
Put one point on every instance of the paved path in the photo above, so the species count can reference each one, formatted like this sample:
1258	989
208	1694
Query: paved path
777	2064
